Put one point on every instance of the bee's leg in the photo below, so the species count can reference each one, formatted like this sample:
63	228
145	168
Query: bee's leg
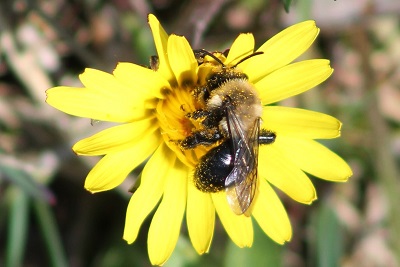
198	114
154	62
203	137
211	118
266	137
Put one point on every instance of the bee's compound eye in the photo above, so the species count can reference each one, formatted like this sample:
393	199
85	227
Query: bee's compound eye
213	80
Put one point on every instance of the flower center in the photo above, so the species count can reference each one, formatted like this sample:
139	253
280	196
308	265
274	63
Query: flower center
172	113
176	126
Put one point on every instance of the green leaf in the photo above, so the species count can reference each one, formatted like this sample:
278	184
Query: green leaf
328	239
26	183
264	252
286	5
17	227
50	233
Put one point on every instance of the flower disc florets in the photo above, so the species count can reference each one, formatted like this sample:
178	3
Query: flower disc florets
173	112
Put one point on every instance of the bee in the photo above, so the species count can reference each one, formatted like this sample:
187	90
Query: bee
231	117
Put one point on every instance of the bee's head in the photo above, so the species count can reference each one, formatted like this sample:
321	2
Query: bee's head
220	73
216	79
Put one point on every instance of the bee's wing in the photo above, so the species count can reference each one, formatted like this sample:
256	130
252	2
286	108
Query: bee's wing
241	183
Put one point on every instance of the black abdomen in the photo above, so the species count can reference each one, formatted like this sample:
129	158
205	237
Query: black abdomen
213	168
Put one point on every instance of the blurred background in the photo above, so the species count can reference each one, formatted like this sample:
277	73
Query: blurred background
48	219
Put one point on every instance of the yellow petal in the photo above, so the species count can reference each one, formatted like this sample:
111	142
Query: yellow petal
282	49
239	228
106	83
241	47
316	159
293	79
95	104
271	215
116	138
149	192
276	168
200	216
113	168
182	60
141	79
300	123
160	40
166	224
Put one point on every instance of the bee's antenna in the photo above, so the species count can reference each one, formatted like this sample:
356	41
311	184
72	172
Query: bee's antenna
202	53
247	57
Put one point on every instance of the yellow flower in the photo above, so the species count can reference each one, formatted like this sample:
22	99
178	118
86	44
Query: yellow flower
152	106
